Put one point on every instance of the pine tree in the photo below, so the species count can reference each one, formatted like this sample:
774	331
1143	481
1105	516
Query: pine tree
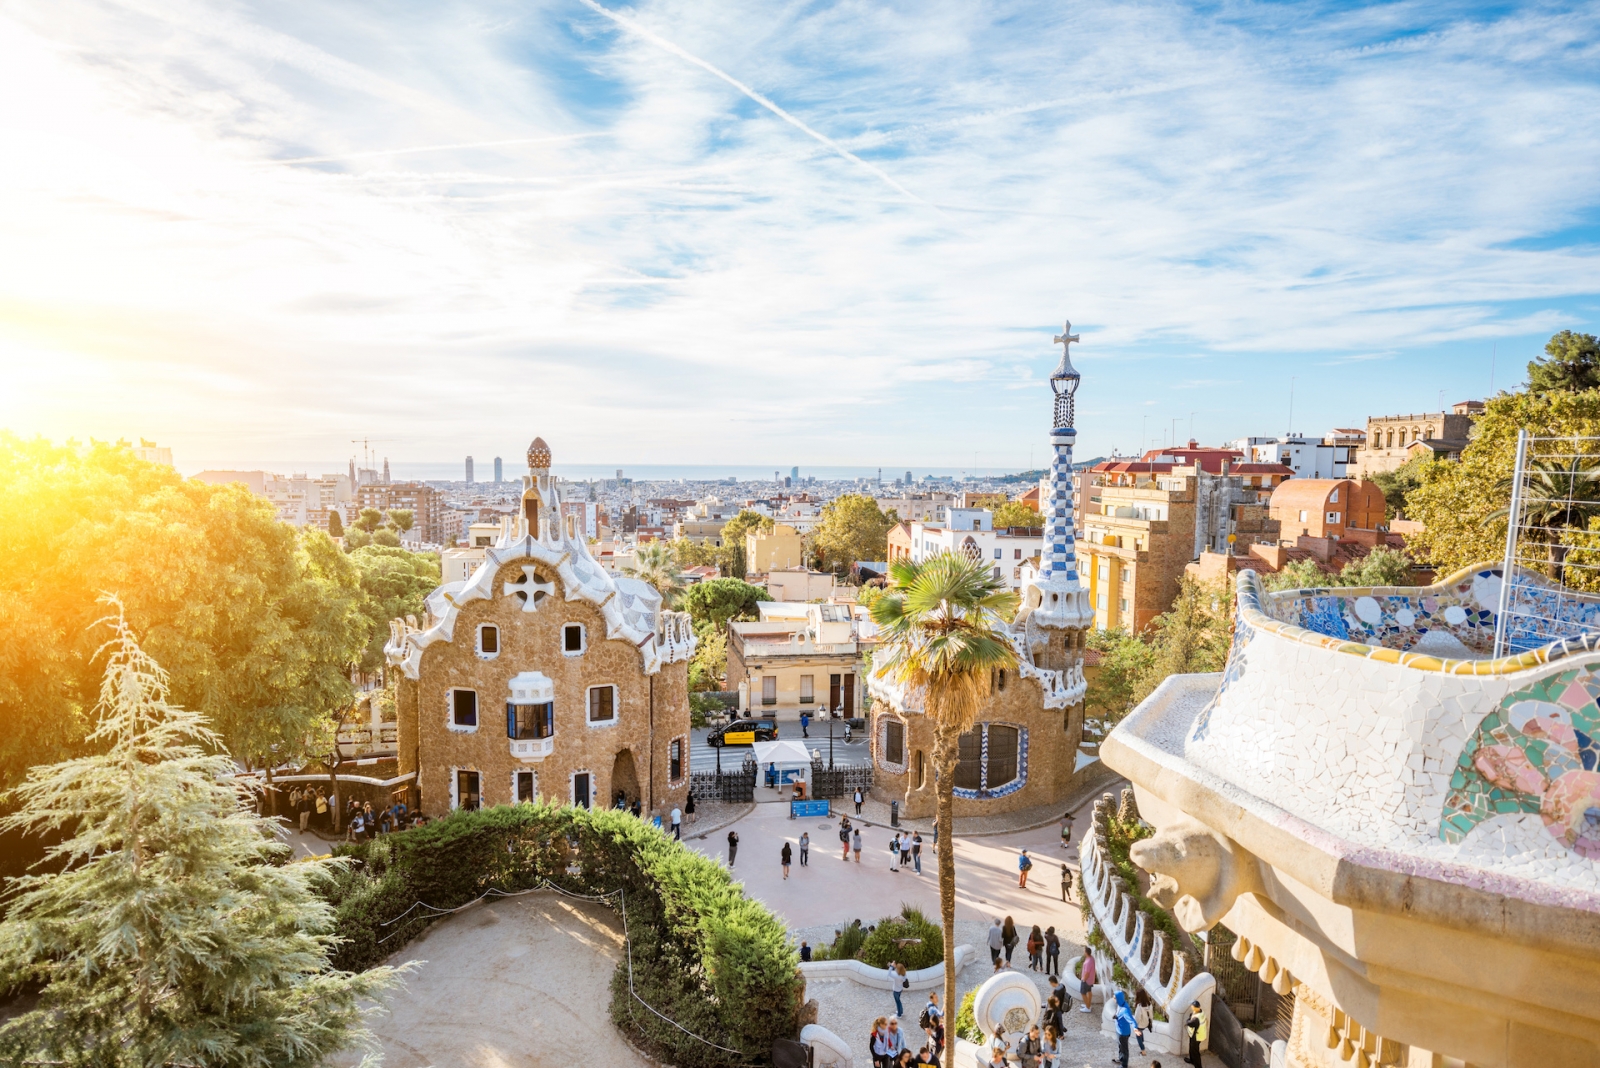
173	933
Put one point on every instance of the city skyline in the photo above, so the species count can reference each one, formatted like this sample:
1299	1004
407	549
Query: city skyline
681	233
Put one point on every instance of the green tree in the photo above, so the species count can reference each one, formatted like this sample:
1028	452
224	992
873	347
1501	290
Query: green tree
709	665
1124	661
1571	364
1397	485
1383	566
369	519
335	524
1017	514
694	553
170	932
1300	575
356	538
1461	505
715	601
1558	496
851	528
394	583
1191	637
656	564
940	633
258	623
385	536
731	560
402	519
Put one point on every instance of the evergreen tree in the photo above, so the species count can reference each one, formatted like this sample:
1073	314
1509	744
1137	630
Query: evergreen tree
1571	364
172	933
335	525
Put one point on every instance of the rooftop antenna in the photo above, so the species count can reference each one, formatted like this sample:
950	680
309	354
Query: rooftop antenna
1290	434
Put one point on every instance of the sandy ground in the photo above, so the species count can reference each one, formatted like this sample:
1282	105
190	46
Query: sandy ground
515	983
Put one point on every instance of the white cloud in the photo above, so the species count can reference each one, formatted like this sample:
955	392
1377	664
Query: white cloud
508	220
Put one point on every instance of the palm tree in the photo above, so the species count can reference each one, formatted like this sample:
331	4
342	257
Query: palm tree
939	625
657	565
1556	496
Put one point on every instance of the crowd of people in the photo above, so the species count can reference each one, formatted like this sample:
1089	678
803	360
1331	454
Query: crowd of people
314	810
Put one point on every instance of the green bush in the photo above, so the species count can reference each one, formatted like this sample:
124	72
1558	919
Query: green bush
845	945
966	1022
703	953
880	947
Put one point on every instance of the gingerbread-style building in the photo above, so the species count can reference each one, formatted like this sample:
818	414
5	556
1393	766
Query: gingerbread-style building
543	676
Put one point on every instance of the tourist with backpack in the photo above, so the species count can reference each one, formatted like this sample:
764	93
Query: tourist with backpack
931	1020
1024	865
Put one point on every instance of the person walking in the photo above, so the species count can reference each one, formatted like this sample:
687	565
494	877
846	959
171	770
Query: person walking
1086	982
1066	831
1125	1027
855	843
787	855
893	1042
1052	953
1050	1047
858	800
1024	865
844	839
805	847
805	724
896	852
308	805
1141	1015
897	985
1059	989
916	850
1199	1029
1008	937
1066	883
996	943
905	850
878	1042
733	846
1052	1014
1035	949
932	1021
322	809
677	824
688	806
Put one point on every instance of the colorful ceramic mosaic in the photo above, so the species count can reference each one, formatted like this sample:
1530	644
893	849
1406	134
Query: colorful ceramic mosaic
1536	752
1462	607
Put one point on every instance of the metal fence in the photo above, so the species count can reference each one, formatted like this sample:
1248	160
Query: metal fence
1551	569
735	785
839	781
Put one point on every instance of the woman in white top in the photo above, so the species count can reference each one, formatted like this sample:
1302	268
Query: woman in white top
1141	1015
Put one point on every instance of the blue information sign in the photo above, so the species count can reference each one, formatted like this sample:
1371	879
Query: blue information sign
801	809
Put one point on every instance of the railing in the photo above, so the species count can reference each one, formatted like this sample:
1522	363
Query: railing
1143	950
737	786
839	782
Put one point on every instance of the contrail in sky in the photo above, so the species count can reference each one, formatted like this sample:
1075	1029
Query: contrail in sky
431	148
666	45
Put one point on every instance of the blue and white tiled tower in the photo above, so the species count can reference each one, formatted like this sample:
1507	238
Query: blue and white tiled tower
1057	600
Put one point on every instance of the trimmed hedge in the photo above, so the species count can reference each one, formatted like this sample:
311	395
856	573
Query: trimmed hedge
706	956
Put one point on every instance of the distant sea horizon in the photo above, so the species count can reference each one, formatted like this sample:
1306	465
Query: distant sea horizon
401	471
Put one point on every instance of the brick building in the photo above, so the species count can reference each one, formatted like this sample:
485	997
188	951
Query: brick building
425	503
1327	507
542	676
1389	437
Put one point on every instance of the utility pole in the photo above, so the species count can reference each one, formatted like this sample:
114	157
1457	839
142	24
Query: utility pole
1290	432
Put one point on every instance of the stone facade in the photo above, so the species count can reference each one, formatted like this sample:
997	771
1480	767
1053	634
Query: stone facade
543	676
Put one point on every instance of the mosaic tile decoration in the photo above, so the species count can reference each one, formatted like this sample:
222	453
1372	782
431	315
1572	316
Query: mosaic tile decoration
1536	752
986	794
1383	623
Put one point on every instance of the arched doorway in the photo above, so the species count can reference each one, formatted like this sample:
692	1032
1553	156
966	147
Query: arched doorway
624	777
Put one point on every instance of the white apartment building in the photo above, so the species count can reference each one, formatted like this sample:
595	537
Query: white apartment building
929	508
976	538
300	499
1306	457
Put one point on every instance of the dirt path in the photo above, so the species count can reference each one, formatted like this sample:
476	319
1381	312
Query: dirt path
516	983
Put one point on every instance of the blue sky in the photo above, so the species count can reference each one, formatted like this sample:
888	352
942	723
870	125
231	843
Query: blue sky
776	233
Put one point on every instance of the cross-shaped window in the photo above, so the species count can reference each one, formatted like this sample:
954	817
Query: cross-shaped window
530	589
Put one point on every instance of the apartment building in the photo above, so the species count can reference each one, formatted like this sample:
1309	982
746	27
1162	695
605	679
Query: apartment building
1389	438
299	499
1327	507
425	503
971	532
1328	457
778	549
799	657
919	507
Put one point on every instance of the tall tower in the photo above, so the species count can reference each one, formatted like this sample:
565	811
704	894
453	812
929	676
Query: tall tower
352	474
386	470
1056	601
469	470
497	470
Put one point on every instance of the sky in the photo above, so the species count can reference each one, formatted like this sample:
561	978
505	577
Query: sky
778	233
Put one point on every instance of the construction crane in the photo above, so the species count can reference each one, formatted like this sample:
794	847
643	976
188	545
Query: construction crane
367	455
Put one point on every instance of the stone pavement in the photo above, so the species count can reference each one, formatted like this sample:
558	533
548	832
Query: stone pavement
1037	817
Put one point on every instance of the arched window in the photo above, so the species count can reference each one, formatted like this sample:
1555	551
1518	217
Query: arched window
989	757
970	550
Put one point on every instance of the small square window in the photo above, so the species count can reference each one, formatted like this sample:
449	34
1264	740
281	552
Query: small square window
997	553
1016	554
602	704
572	639
464	709
488	641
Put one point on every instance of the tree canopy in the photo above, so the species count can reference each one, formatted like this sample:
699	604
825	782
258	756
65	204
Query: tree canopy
394	583
1398	485
1382	566
715	601
171	931
1017	514
852	527
656	563
1192	636
1571	364
256	622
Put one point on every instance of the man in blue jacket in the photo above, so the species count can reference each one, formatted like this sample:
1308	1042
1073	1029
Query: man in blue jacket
1125	1027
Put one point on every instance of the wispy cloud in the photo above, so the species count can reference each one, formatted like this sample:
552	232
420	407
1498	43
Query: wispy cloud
250	227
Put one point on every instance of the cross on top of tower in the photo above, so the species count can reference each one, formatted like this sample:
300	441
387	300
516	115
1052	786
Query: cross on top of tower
1065	340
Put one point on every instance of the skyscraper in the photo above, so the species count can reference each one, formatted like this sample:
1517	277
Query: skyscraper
469	470
497	471
794	473
908	478
386	470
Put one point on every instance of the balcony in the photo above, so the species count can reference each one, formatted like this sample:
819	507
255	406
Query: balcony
532	748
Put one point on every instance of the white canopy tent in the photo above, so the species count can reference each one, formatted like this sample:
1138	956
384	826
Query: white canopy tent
793	761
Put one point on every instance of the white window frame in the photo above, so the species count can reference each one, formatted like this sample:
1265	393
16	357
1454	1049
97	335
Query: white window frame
455	785
808	689
450	715
522	771
1333	517
488	626
616	706
583	640
1333	498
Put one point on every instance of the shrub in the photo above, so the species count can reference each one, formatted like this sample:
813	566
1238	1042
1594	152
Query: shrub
845	945
703	954
966	1022
880	946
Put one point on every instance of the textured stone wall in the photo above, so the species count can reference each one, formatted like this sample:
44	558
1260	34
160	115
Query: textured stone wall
532	641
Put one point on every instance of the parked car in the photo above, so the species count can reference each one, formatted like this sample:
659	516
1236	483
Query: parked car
744	732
